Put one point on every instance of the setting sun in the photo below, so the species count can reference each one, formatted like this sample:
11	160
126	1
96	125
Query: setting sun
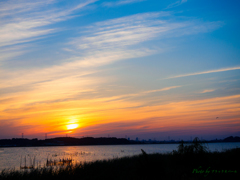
72	126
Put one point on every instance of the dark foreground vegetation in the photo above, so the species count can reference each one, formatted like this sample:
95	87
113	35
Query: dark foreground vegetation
188	162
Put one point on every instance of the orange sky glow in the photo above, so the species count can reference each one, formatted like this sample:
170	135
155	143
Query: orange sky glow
132	68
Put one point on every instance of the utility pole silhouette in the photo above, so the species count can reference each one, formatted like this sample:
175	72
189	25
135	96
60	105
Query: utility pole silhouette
46	136
22	135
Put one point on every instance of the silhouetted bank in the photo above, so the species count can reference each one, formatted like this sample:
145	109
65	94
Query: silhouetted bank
70	141
63	141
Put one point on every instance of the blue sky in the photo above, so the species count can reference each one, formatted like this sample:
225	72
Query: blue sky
145	68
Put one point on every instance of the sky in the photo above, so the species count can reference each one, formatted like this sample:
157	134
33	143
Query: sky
123	68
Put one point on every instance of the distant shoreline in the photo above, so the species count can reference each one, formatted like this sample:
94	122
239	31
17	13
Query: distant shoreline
90	141
1	147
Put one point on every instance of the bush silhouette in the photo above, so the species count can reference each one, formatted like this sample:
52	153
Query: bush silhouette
195	148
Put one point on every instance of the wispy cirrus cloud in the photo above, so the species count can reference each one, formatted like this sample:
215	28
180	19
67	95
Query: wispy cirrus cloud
138	94
208	90
205	72
25	20
163	89
16	7
126	35
102	43
106	42
175	4
124	32
11	52
120	2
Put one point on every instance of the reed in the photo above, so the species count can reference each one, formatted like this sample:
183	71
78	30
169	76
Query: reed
31	163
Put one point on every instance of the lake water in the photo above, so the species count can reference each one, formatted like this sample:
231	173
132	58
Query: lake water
11	157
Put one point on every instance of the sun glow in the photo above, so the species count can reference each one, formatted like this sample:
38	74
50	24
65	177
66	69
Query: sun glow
72	126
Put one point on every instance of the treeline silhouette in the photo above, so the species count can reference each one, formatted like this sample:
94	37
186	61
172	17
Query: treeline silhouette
64	141
71	141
